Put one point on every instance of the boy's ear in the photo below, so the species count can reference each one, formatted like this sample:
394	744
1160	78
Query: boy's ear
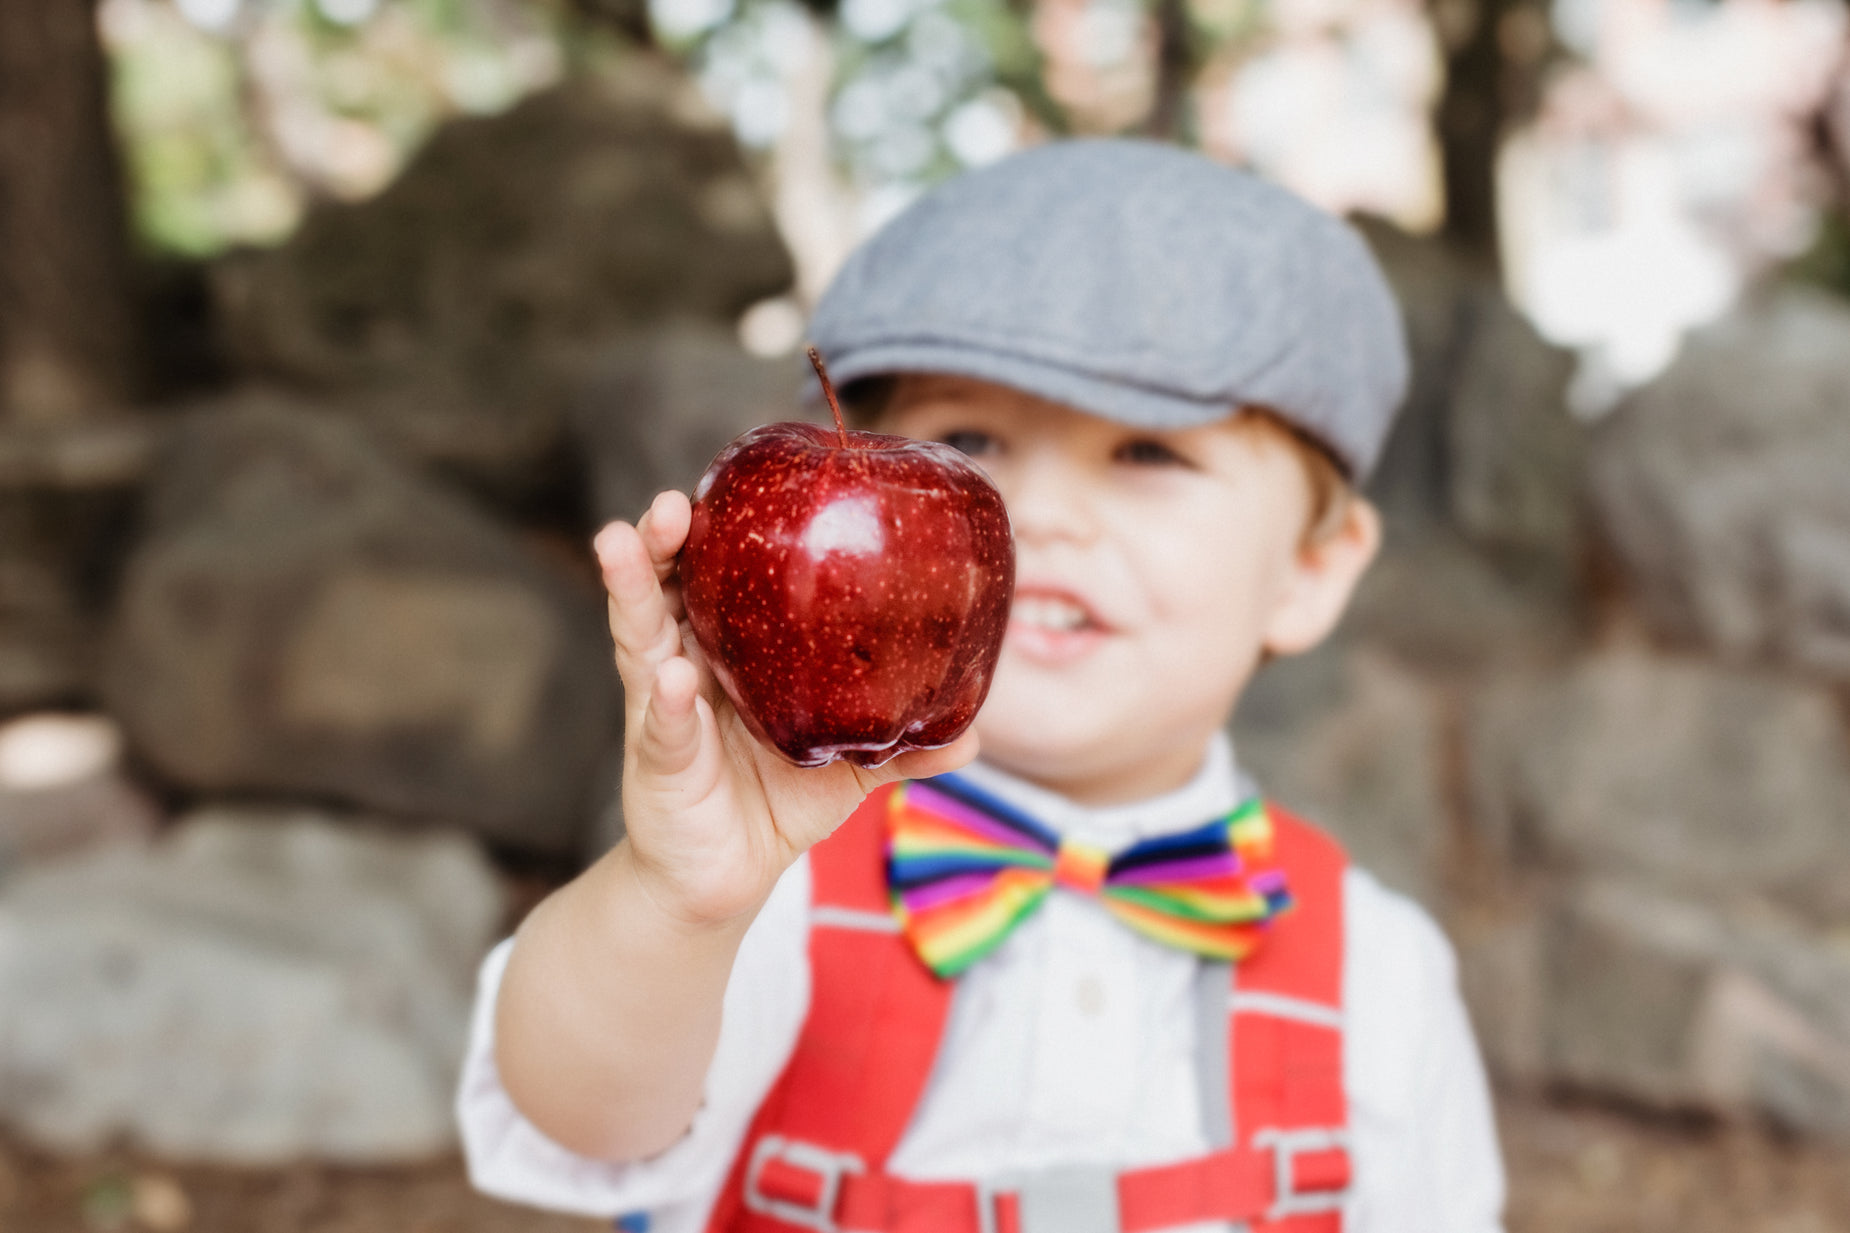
1326	571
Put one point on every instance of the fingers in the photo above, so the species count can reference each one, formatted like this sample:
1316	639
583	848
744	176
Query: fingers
672	725
641	624
664	529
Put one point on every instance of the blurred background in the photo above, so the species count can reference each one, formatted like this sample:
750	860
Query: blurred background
330	330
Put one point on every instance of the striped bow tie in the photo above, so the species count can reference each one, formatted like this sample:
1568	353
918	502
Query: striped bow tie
964	868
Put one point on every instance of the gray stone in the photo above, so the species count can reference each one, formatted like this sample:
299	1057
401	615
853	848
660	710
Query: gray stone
1684	1004
1722	485
305	615
1516	454
1452	611
1500	969
1485	443
1718	781
454	308
658	406
258	989
1351	740
93	812
1432	284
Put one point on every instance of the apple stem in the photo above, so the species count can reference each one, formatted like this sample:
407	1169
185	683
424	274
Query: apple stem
828	392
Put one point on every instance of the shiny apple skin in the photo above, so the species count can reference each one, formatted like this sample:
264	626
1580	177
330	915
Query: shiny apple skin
851	601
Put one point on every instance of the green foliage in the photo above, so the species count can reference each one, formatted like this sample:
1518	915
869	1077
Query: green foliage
1826	263
230	131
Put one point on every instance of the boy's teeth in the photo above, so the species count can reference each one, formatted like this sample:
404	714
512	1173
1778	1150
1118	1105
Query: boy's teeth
1055	614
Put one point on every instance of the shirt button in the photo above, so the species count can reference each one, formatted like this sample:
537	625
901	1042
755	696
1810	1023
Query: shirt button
1090	995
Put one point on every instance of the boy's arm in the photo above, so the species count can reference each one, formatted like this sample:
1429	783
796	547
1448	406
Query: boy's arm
610	1007
767	1000
609	1012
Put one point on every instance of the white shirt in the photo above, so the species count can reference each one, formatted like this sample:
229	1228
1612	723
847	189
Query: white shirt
1073	1043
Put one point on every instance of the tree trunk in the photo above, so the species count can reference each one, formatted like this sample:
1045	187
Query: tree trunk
1471	122
67	302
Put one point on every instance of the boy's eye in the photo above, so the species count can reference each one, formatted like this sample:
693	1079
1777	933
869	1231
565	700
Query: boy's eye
969	441
1149	452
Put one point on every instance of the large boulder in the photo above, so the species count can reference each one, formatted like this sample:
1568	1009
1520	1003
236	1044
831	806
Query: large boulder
1516	454
1682	1004
1721	783
1616	985
1452	611
259	989
454	308
304	615
656	407
1724	485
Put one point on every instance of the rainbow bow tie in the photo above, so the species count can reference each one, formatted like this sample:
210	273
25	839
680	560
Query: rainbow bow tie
964	868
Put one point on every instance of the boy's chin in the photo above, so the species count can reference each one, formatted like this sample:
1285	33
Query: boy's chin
1049	752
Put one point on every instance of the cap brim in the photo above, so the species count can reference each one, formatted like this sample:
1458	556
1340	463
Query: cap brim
1124	403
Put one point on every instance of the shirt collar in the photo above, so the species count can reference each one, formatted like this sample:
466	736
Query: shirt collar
1215	789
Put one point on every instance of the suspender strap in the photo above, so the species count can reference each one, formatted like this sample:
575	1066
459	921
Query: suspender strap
876	1015
1287	1000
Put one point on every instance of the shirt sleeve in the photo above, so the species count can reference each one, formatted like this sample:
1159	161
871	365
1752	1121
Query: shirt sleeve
1424	1138
767	997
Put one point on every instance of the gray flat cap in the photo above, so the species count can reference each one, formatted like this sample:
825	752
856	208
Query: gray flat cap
1134	281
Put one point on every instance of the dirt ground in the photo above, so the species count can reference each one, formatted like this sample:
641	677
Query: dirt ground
1574	1168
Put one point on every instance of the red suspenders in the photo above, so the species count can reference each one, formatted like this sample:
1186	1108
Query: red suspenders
815	1154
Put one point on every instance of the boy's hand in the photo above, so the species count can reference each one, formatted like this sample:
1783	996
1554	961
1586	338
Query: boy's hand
713	816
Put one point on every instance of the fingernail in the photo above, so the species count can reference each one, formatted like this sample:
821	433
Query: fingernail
600	543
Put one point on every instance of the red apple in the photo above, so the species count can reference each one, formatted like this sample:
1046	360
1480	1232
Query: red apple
849	589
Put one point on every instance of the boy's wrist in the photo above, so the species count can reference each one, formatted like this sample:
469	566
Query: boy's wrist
665	898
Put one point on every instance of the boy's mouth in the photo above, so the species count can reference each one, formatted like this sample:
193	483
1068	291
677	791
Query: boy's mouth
1052	626
1051	612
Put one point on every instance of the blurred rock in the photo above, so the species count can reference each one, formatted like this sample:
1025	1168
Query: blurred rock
1452	611
1682	1004
1500	973
260	988
1719	782
658	406
1432	284
304	615
1350	740
95	812
1722	485
1517	455
454	308
1484	442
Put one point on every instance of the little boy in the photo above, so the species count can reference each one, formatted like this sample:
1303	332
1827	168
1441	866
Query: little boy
1091	982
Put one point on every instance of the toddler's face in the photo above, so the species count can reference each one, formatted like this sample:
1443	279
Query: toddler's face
1153	569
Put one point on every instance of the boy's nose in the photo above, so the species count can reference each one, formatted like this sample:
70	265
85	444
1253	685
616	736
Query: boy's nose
1048	500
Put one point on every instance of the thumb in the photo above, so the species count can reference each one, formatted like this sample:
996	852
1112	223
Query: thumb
671	724
924	763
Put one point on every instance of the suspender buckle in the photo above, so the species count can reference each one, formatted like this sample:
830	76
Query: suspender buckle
1310	1170
1064	1200
797	1183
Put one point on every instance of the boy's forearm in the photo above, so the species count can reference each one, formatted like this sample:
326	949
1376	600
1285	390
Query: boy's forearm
609	1014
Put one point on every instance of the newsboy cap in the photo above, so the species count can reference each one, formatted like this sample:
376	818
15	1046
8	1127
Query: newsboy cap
1135	281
